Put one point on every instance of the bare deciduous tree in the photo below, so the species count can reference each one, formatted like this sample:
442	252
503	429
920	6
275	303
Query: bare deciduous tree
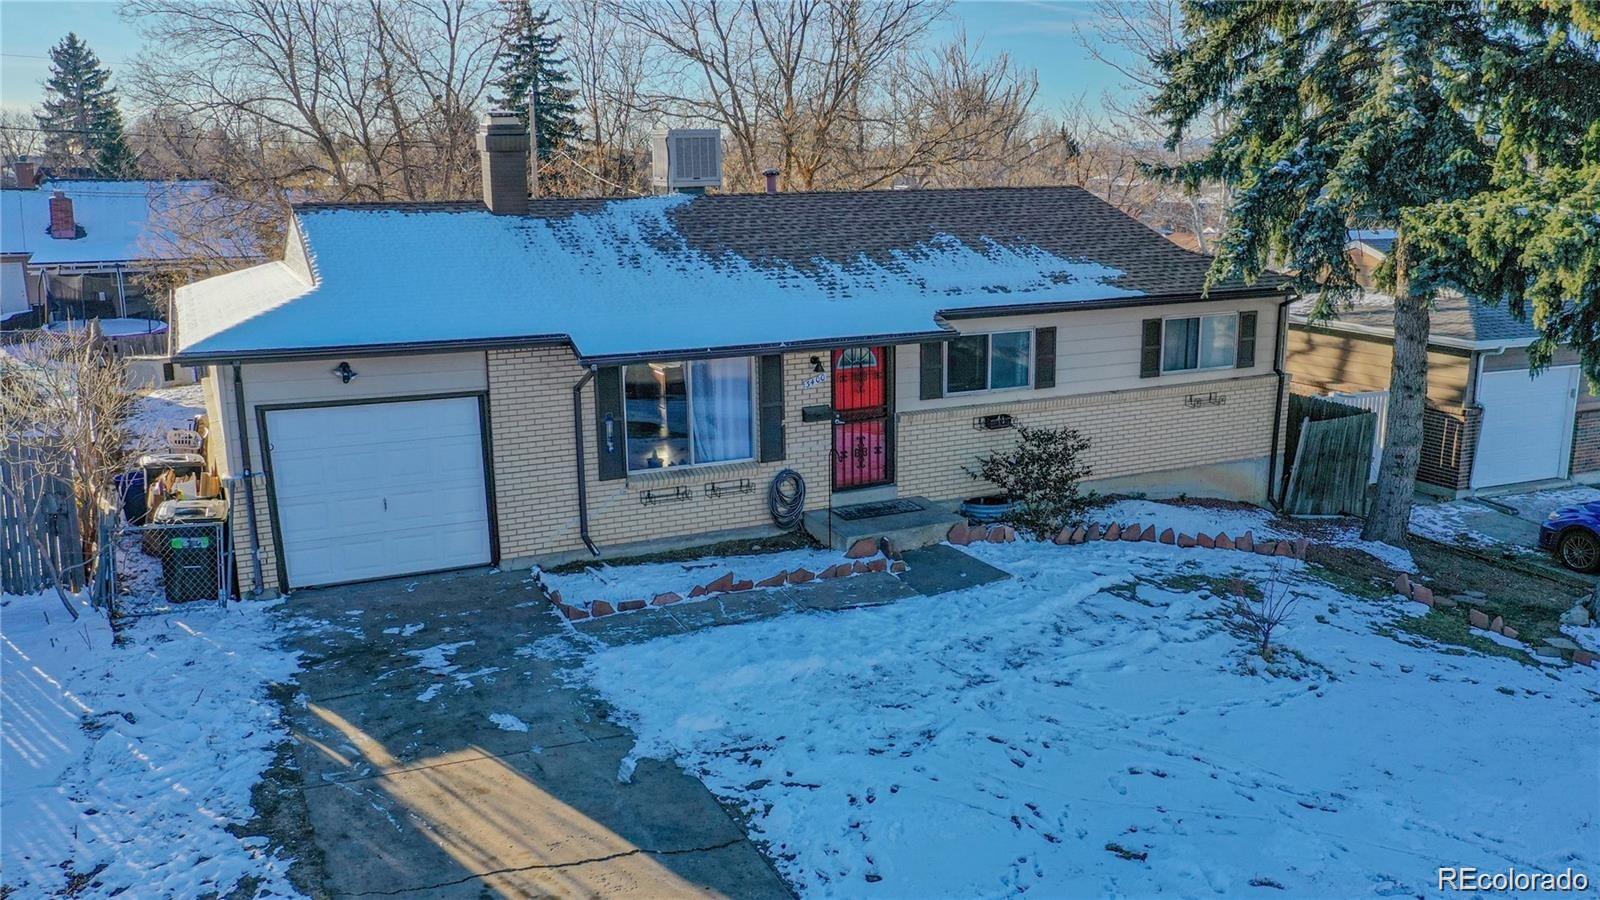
372	100
66	407
1126	35
19	136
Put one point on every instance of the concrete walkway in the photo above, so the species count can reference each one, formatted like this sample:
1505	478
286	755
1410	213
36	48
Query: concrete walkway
444	756
931	570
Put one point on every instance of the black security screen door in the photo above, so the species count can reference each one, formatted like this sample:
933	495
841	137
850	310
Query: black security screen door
862	447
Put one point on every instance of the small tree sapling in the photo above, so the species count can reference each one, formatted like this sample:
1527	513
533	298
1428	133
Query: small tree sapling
1258	611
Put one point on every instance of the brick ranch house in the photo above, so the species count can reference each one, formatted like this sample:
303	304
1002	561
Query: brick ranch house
424	387
1487	424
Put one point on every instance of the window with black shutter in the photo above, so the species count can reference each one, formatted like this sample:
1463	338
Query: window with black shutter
770	385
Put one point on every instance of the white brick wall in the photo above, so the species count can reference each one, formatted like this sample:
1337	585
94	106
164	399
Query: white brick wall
1147	430
530	407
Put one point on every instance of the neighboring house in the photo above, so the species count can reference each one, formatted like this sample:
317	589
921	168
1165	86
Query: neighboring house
1487	423
432	386
73	249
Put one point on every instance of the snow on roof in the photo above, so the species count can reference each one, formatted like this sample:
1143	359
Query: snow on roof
622	278
1455	320
122	221
1379	239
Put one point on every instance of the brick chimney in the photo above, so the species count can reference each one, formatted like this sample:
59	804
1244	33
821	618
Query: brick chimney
62	225
771	175
503	156
26	173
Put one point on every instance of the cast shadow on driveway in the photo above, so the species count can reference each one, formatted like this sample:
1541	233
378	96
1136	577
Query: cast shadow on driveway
454	760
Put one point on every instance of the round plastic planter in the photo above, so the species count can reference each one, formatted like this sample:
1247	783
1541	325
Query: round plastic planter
987	509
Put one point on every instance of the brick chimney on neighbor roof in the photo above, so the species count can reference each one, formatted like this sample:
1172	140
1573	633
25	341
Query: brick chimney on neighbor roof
503	155
62	224
26	174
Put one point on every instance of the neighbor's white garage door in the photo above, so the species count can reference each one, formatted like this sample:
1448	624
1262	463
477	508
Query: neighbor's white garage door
1527	426
379	489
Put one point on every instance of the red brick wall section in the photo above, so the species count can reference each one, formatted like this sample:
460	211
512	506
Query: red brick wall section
62	225
1586	442
1448	442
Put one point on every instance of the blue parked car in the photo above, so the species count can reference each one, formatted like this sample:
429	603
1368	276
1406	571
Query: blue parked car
1572	533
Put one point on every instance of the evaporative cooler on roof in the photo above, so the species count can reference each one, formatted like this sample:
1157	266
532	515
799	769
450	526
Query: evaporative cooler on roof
686	159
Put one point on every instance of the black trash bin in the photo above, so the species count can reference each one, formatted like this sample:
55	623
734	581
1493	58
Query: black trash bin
190	547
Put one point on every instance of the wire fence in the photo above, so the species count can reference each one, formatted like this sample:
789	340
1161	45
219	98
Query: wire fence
149	568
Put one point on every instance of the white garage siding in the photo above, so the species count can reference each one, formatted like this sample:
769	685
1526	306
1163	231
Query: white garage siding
288	384
1526	433
374	490
13	289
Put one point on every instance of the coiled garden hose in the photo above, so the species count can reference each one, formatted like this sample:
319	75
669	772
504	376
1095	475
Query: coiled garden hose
786	498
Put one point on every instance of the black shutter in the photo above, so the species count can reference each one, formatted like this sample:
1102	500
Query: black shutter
1247	340
932	370
770	385
1044	358
610	429
1150	349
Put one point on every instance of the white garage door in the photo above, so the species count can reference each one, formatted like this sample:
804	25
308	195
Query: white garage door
1527	426
379	489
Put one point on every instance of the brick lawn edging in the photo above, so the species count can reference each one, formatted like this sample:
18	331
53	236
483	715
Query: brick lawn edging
865	556
1477	618
962	534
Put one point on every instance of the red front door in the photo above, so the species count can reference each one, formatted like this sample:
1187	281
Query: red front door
862	447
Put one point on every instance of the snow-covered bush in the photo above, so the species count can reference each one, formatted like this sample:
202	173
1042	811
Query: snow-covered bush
1042	473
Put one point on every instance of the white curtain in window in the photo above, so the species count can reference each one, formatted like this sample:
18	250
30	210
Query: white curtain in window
720	394
1219	338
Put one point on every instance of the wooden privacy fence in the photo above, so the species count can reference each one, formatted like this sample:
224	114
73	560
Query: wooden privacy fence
1332	447
49	503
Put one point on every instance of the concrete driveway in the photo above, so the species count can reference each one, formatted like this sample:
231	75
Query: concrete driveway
444	755
1505	523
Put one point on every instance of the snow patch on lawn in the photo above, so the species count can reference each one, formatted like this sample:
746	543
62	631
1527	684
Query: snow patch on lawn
163	409
1014	737
135	758
1190	518
1448	523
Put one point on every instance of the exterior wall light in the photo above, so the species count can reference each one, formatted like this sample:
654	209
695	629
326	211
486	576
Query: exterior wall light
345	373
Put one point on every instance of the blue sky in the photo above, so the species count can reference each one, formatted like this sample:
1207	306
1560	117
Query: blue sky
1034	32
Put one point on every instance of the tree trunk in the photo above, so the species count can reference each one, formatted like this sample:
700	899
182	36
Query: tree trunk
1408	390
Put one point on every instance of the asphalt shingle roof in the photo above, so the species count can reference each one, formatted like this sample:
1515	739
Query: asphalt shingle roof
1454	316
691	274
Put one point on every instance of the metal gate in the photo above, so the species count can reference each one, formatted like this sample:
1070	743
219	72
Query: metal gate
863	448
152	566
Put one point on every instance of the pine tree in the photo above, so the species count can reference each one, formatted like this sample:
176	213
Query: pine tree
79	115
1354	114
531	61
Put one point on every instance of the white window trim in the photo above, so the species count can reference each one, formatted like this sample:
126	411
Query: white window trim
688	387
1198	368
988	375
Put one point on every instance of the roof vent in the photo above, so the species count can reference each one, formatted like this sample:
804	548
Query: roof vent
686	159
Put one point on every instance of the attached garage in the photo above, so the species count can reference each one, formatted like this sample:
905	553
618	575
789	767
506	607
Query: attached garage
1526	432
377	489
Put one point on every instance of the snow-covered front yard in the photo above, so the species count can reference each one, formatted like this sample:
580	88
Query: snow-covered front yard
126	765
1093	726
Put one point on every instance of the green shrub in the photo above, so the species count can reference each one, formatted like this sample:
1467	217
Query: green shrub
1042	475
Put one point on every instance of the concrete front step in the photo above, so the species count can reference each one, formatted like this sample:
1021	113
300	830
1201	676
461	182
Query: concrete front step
907	530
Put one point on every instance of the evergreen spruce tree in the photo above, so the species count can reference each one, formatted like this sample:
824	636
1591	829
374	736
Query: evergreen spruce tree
1439	119
79	115
531	61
